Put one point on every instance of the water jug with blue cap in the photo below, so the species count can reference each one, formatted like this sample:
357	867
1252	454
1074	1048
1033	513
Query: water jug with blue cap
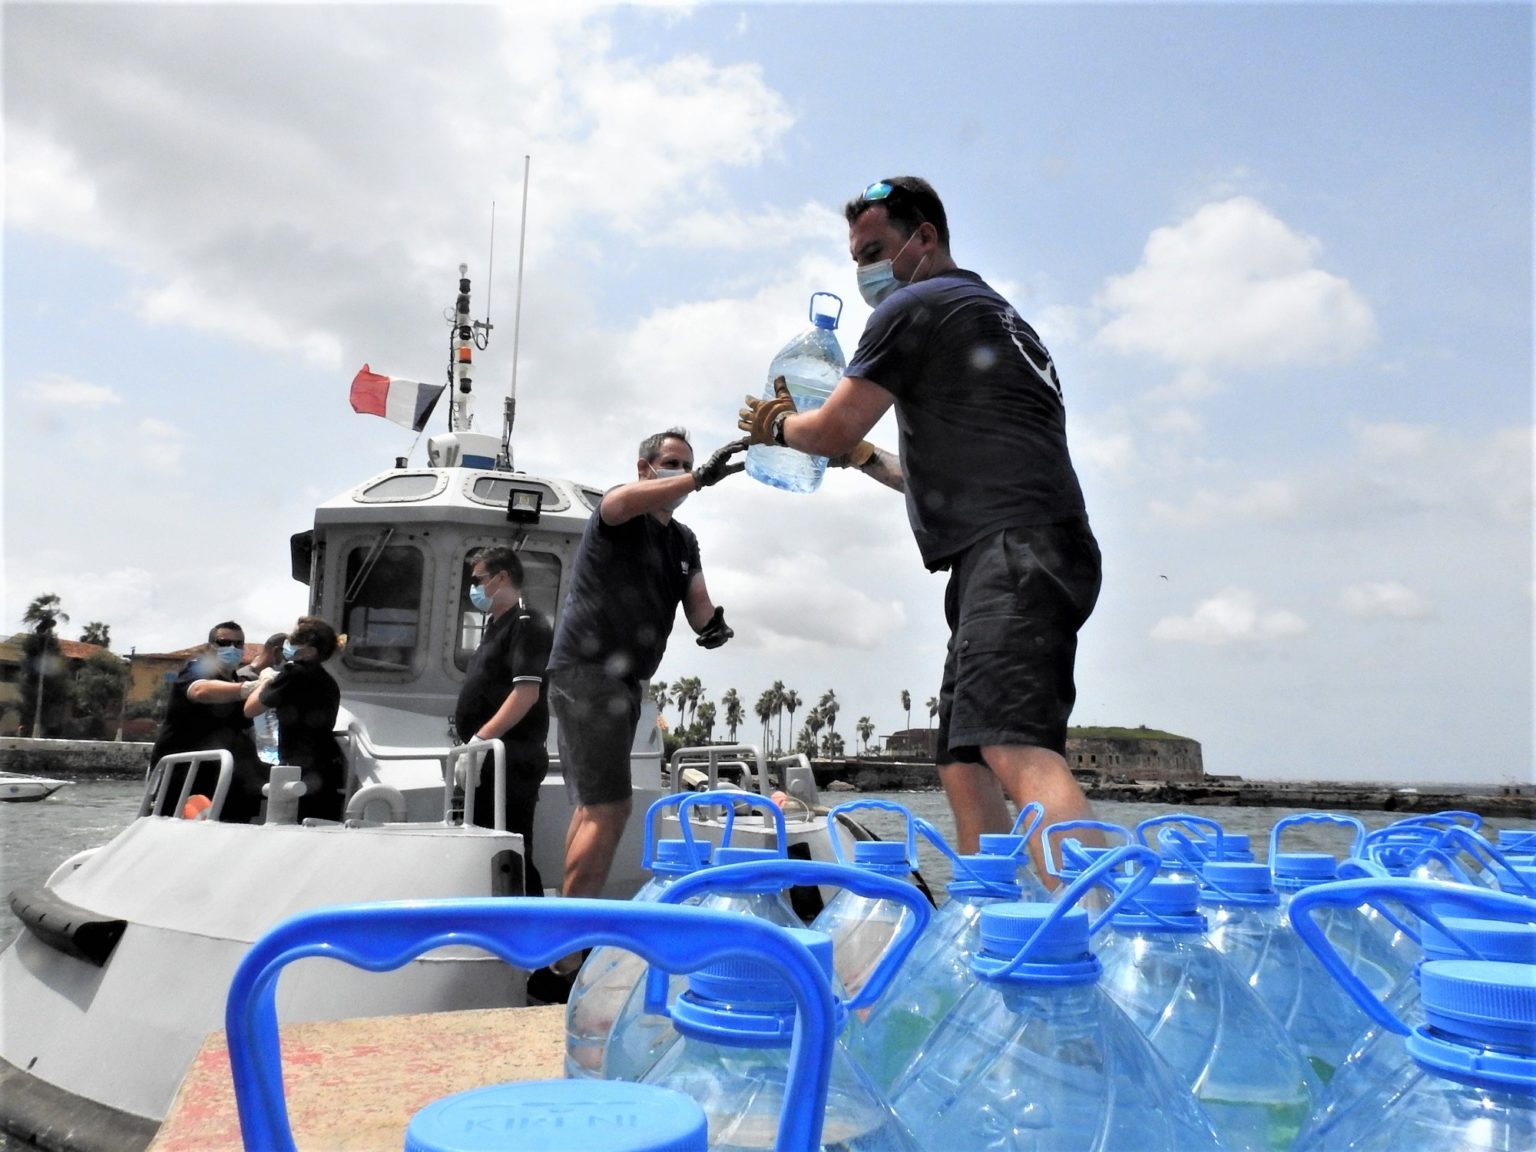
637	1037
1016	843
1036	1056
609	975
811	364
1247	927
1067	856
862	927
1472	1084
733	1022
590	1116
1184	841
938	971
1377	948
1204	1019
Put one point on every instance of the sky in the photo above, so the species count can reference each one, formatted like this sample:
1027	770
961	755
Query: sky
1281	254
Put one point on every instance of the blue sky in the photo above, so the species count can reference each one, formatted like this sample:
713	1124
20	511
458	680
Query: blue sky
1281	254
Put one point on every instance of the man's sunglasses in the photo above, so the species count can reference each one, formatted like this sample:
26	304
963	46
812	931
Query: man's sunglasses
229	643
476	581
879	190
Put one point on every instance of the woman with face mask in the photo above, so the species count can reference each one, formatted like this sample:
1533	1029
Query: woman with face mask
306	699
205	713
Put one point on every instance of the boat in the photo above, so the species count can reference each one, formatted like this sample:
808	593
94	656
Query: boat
127	950
19	788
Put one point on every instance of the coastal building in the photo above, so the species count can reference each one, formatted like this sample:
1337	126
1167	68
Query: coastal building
1094	754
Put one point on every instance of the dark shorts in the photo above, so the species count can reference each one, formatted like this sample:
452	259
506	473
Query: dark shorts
595	716
1015	602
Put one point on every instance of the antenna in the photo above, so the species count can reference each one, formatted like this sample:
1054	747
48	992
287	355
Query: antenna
517	323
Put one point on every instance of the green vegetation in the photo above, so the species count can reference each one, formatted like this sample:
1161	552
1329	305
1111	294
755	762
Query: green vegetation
1142	733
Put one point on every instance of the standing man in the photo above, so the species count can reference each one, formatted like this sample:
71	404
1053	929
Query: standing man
991	496
634	566
503	698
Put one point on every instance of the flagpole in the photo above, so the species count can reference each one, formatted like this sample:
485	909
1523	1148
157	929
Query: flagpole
517	323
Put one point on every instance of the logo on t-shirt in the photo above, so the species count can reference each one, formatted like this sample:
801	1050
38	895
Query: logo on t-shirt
1019	337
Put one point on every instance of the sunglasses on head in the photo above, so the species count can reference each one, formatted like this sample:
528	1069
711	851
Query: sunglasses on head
879	190
229	643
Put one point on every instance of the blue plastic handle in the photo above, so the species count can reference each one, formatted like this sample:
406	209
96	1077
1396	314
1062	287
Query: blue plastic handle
960	868
790	873
729	798
527	933
1028	820
652	818
1185	819
882	805
1450	818
1055	831
1427	900
1351	822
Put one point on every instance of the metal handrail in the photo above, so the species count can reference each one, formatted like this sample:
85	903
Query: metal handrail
157	781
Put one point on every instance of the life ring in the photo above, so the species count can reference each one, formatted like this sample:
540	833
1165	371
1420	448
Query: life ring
196	807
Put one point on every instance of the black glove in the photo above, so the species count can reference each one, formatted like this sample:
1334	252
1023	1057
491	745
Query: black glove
718	466
717	631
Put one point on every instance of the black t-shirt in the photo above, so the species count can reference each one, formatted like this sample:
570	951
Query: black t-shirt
305	699
193	727
514	650
626	583
982	428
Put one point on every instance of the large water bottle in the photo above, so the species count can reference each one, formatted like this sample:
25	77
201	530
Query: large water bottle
736	1023
1472	1086
264	731
811	364
862	927
609	975
1035	1056
1204	1019
1248	928
1381	1058
1015	843
938	972
1067	857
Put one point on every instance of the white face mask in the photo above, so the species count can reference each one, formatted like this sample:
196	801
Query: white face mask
878	280
667	474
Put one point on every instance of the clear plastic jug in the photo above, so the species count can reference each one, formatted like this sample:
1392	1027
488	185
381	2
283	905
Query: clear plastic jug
812	363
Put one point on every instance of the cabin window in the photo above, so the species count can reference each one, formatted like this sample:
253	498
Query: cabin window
382	607
495	490
591	496
541	591
402	488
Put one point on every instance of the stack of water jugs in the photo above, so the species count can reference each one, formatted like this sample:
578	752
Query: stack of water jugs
1174	994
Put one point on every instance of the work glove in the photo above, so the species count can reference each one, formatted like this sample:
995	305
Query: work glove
718	466
856	457
763	420
716	632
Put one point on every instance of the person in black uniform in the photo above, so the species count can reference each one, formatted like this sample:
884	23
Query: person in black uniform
205	713
306	700
503	698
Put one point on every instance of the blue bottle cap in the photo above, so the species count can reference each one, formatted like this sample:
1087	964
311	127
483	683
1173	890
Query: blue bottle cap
888	857
674	857
1236	846
1000	844
985	876
1296	870
1481	1001
561	1116
1238	882
1521	841
1509	941
1167	904
745	1001
1059	950
730	854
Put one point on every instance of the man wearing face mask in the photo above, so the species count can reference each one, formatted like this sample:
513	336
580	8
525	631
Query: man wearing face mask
306	699
204	713
634	566
503	698
991	496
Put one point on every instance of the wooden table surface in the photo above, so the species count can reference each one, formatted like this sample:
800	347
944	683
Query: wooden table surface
355	1084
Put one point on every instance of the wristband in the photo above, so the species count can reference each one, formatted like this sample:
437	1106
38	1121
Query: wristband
778	429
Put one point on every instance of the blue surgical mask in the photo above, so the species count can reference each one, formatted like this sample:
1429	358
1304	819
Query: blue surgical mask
480	598
230	657
878	280
289	651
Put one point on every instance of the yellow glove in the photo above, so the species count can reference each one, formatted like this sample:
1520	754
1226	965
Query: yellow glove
763	420
856	457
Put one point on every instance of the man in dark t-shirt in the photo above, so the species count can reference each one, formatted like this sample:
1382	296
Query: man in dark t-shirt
991	496
306	699
503	698
634	566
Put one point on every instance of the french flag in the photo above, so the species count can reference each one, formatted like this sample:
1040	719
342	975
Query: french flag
406	402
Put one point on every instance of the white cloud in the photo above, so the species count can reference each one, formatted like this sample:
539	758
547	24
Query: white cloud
1232	616
1384	598
160	446
56	390
1233	287
1260	500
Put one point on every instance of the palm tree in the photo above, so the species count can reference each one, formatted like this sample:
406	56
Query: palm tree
791	702
44	613
97	633
813	725
778	710
733	717
829	708
866	729
933	709
658	693
832	746
40	653
763	710
707	720
906	703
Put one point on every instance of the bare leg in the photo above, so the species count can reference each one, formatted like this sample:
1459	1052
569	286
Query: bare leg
977	801
590	843
1028	773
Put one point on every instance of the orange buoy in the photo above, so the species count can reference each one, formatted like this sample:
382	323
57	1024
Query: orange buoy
196	805
780	798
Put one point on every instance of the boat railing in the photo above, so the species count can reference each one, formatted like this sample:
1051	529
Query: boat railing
448	758
157	781
713	757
